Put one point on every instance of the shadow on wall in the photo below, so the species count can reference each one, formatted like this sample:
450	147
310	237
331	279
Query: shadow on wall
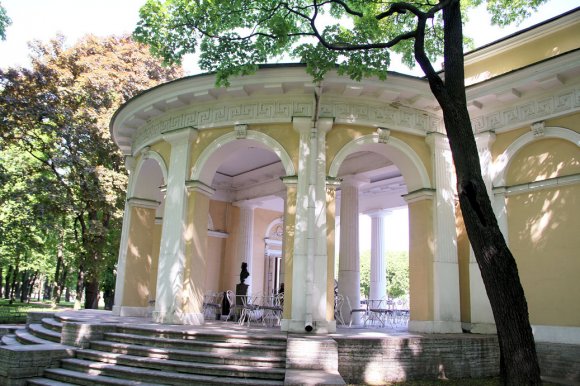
375	360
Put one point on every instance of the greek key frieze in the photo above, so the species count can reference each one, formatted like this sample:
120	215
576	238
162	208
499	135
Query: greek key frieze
523	114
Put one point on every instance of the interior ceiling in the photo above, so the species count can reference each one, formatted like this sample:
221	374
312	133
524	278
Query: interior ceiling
245	160
252	166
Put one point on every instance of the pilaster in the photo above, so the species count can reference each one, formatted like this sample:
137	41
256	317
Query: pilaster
130	164
170	277
309	274
446	302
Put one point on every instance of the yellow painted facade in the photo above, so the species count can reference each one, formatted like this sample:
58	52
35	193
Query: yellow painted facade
524	100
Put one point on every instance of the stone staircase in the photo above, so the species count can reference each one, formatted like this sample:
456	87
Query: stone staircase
137	355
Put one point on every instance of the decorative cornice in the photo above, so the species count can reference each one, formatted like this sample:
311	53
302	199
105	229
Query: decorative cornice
224	114
534	110
398	118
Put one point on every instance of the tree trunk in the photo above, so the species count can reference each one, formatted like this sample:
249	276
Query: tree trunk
1	286
7	282
92	294
518	359
56	289
80	289
24	286
14	286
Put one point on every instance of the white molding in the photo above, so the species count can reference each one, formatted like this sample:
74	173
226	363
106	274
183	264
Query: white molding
501	164
535	186
406	158
419	195
200	170
556	334
199	186
142	203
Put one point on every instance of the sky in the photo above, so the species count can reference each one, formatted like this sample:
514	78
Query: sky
43	19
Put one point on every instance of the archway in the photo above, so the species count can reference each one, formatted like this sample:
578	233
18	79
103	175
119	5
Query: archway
382	165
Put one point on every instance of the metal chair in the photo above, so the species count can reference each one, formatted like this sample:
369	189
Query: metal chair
364	311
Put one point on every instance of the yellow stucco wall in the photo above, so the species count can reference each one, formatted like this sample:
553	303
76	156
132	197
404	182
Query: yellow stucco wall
543	231
156	245
421	259
139	257
195	238
542	47
164	150
262	219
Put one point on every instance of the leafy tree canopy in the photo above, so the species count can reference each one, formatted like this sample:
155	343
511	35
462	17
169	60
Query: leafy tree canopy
4	22
233	36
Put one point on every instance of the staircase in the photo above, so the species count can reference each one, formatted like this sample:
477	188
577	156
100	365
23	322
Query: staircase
154	355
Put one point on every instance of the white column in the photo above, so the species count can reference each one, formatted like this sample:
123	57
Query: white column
245	247
122	259
170	278
349	258
378	254
446	300
482	321
309	266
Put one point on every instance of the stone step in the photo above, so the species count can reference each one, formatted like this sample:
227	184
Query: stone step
42	332
164	377
52	324
189	356
211	369
269	339
25	337
9	340
246	346
70	377
47	382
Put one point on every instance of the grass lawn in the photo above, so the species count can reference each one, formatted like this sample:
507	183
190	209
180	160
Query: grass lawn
16	312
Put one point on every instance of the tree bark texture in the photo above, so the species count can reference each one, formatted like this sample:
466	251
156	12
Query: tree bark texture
518	359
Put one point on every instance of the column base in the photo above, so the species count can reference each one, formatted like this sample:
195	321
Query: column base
435	327
191	319
556	334
299	326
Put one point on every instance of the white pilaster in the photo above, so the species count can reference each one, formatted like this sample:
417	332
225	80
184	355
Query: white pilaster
349	258
122	259
309	275
378	254
446	300
245	248
170	278
482	321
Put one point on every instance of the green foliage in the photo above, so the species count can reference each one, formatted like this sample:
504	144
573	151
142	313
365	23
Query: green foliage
4	22
397	273
233	36
55	117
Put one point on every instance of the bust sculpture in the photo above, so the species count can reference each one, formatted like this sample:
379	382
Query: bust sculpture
244	274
